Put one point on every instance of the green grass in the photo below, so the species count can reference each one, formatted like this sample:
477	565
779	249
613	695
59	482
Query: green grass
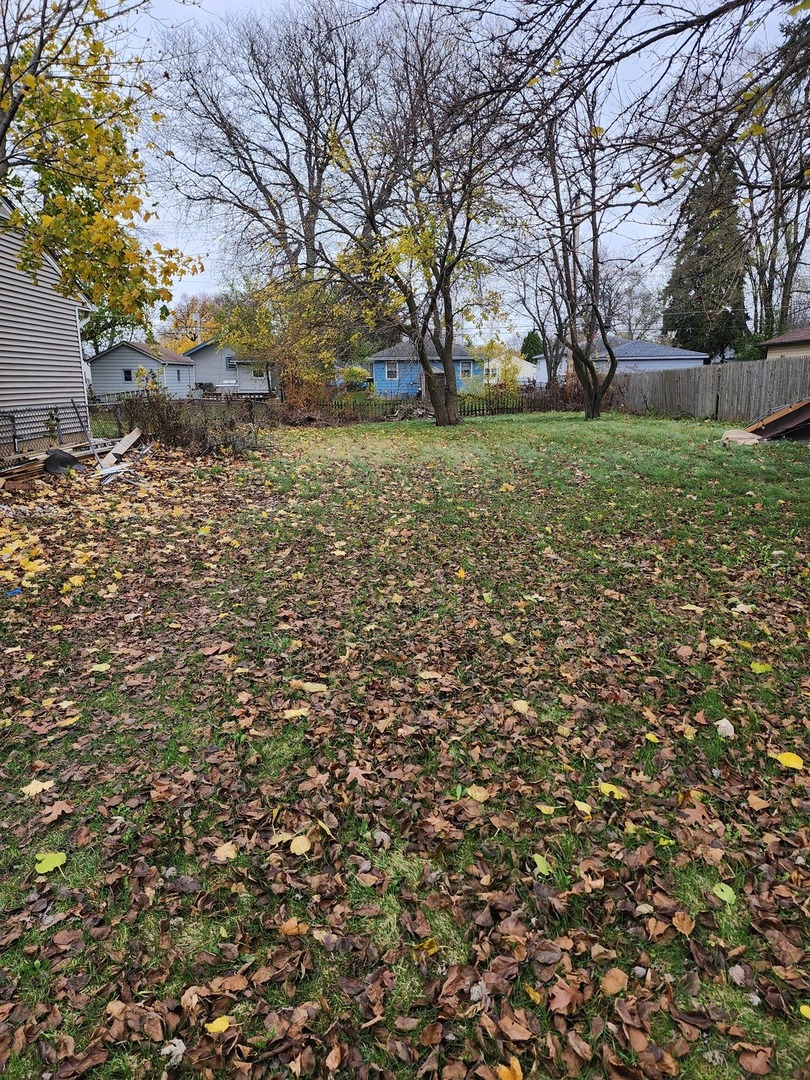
618	577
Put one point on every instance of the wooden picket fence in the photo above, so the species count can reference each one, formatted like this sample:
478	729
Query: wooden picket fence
740	391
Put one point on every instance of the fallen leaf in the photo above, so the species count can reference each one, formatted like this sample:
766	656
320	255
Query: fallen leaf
583	807
683	922
651	737
790	761
314	687
755	802
36	786
613	791
225	852
755	1060
542	865
480	794
725	729
521	707
544	808
49	860
512	1071
100	667
300	845
725	893
805	1011
55	811
759	668
614	981
222	1023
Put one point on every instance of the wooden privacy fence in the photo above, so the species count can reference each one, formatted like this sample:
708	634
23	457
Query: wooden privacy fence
736	391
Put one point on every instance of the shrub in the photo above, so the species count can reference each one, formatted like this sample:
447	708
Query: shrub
199	426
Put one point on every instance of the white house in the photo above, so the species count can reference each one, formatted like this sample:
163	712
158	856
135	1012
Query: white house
217	369
494	370
115	371
42	393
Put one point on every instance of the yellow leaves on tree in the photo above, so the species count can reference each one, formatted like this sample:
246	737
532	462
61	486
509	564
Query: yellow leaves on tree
68	167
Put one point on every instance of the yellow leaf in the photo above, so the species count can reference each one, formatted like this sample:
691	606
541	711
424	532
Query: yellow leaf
805	1011
461	573
790	761
314	687
49	860
100	667
225	852
759	668
300	845
533	994
544	808
651	737
596	131
512	1071
36	786
293	714
521	707
222	1023
429	946
480	794
583	807
508	639
612	790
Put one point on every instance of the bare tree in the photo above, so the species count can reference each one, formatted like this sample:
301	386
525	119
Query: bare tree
355	152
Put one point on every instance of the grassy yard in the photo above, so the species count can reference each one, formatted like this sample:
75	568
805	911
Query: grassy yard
398	752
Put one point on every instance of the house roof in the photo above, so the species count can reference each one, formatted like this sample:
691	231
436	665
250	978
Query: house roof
793	337
651	350
202	344
406	350
152	352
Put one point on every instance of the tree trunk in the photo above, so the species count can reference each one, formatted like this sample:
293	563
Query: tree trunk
442	392
593	403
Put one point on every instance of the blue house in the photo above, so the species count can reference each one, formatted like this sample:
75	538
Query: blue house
397	372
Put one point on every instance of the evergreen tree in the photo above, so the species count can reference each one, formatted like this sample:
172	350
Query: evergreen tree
704	299
532	346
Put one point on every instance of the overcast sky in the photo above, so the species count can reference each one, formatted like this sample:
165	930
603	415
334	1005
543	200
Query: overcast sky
173	228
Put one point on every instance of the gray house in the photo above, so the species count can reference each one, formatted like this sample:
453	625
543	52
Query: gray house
42	394
650	356
116	370
217	370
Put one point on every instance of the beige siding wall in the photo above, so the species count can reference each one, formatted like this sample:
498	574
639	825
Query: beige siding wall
800	349
40	355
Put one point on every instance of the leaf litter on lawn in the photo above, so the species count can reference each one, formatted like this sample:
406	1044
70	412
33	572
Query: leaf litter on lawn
327	805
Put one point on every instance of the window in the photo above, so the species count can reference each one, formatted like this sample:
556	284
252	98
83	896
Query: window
392	370
127	374
466	369
178	374
230	363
